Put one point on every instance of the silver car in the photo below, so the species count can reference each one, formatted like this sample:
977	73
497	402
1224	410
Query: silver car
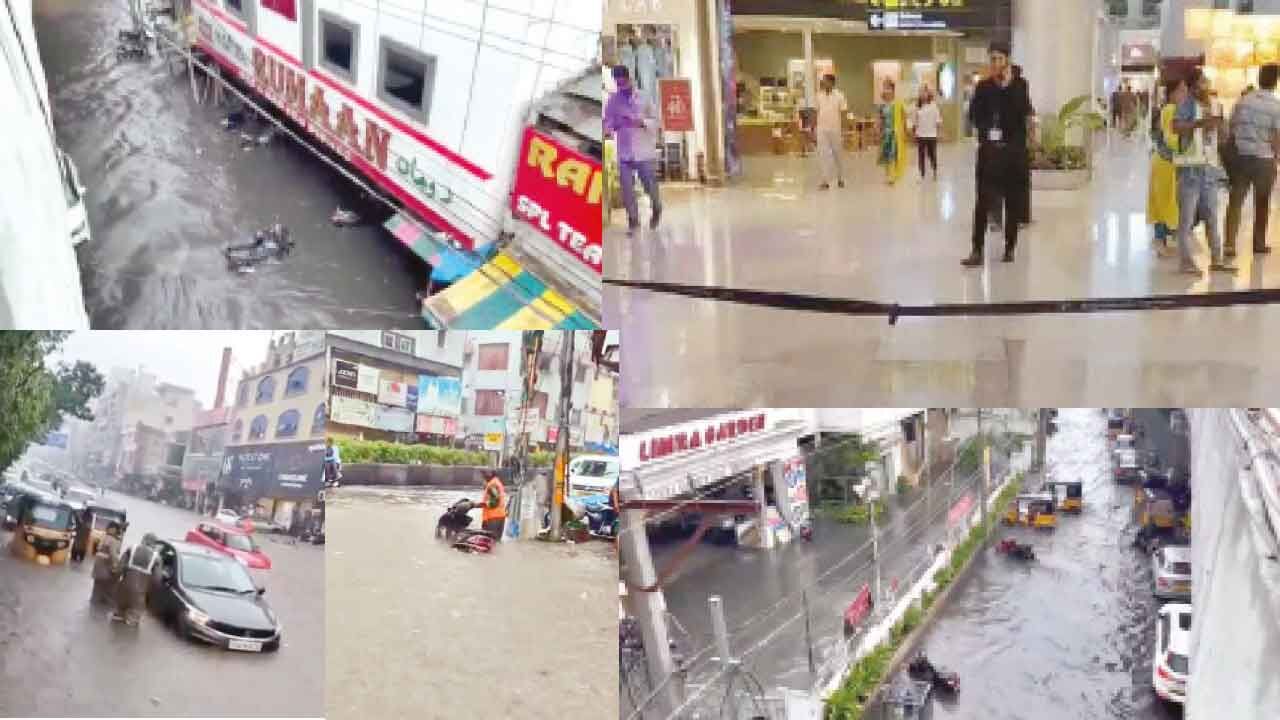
1171	566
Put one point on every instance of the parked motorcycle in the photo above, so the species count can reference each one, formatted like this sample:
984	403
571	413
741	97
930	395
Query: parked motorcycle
454	527
942	679
1013	548
603	523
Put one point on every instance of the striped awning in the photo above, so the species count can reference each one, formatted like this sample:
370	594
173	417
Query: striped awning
501	295
447	262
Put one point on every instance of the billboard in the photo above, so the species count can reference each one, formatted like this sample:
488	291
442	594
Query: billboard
393	419
350	411
200	470
280	470
393	392
558	191
439	396
346	374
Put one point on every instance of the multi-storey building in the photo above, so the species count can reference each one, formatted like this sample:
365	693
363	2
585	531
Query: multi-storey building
134	398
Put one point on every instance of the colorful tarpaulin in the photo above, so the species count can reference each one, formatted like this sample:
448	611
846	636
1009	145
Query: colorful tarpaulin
447	263
501	295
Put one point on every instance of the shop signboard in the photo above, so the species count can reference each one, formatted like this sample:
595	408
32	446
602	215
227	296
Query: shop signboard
367	379
898	20
958	14
435	425
493	441
392	419
692	436
279	470
440	396
794	475
553	433
959	510
350	411
411	397
558	191
393	392
346	374
676	101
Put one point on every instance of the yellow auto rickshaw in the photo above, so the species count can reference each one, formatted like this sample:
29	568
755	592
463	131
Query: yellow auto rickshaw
104	513
1033	510
44	529
1069	494
1154	508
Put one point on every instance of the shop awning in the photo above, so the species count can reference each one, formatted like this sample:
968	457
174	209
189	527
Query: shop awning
447	262
501	295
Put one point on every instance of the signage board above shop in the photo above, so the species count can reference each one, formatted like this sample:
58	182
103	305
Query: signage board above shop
693	436
927	15
558	191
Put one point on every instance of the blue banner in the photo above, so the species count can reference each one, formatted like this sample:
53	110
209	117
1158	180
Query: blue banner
411	397
439	396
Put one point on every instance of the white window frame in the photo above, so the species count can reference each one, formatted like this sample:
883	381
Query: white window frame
322	60
247	12
429	65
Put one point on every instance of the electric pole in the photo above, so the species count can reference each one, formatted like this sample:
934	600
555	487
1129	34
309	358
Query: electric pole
986	468
562	436
649	609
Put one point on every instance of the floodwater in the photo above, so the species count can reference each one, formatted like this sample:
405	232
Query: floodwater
1072	634
168	188
62	657
419	630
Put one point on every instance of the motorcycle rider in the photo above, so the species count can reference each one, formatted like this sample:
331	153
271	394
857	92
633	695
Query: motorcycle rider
332	464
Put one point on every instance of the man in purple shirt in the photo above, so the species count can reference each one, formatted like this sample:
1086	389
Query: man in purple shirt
633	121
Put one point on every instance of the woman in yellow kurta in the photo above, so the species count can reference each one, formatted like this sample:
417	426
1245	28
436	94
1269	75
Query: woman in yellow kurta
1162	192
893	134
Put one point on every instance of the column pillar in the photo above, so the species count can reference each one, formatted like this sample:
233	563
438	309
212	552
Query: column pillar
708	64
810	76
1054	42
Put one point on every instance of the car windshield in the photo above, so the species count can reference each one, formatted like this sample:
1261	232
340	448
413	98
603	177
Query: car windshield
52	517
593	468
237	541
215	573
1180	568
102	519
1177	663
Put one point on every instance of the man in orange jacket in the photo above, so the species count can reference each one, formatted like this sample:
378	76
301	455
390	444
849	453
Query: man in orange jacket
494	506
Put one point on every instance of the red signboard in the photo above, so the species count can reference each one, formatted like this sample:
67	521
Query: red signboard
676	99
284	7
558	191
959	510
858	609
660	447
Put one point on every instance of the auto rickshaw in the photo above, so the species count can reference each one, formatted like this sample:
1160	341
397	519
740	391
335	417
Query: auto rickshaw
1071	499
1032	510
104	513
1153	508
44	530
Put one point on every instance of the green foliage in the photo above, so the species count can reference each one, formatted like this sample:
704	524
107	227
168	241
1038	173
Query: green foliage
859	514
541	459
903	486
356	452
848	701
842	458
34	397
1052	151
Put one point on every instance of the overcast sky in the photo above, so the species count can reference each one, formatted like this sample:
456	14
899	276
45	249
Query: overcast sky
189	358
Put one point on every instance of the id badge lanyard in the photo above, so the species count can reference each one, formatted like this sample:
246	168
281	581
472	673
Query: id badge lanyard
996	134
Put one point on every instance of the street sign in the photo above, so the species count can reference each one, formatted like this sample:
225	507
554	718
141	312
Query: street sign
896	20
676	101
493	441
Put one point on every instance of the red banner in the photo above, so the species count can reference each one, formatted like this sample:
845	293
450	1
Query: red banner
959	510
675	97
859	608
558	191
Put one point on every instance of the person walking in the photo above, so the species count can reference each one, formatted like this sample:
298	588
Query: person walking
1199	127
1001	112
106	562
633	121
131	593
1162	189
831	107
928	120
1255	130
893	133
1115	108
494	506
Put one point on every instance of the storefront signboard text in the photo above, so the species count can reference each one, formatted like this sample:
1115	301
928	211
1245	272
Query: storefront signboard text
558	191
676	98
493	441
663	445
393	419
346	374
278	470
367	379
393	392
350	411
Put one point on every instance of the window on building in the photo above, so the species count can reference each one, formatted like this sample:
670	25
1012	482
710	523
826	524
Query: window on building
242	396
494	356
398	342
236	431
490	402
258	428
287	424
339	40
284	7
244	9
297	382
237	5
266	390
318	420
389	340
406	79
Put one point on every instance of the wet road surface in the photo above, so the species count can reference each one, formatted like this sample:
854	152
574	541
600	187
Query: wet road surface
168	188
1072	634
418	630
61	657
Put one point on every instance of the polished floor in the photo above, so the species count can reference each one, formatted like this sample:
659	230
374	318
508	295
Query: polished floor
774	230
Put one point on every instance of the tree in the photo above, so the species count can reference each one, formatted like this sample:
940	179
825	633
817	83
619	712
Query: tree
843	457
35	398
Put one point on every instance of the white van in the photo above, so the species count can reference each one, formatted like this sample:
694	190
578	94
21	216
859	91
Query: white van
592	474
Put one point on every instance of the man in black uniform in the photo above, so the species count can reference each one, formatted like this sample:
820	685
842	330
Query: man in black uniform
999	111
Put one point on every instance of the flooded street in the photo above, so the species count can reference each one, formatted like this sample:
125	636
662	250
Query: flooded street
168	188
62	657
419	630
1070	635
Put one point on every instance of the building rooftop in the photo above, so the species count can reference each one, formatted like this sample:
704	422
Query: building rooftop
638	420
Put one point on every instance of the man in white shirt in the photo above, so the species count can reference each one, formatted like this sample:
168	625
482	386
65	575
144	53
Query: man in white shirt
633	121
829	129
928	122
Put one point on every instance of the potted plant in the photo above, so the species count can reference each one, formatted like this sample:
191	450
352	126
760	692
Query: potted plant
1056	163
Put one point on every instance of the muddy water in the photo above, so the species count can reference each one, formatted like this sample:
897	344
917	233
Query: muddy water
168	188
1071	635
418	630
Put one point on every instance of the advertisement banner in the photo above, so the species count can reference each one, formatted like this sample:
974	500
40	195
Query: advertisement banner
391	392
794	475
439	396
676	100
346	374
200	470
411	397
493	441
350	411
558	191
437	425
280	470
367	379
392	419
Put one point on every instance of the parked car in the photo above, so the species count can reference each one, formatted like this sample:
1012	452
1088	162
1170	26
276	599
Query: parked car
1171	567
1173	643
230	540
1127	469
209	596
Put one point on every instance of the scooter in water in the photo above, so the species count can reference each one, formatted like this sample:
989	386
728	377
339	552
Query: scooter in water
1013	548
273	243
454	527
943	679
603	523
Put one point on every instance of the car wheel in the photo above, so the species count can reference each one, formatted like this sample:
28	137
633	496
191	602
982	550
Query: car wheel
272	647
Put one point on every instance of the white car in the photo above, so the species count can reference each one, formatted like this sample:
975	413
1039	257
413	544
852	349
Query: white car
228	517
1171	566
1173	647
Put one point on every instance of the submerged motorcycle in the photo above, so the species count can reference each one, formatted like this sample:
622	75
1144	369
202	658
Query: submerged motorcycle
273	243
944	680
454	527
1013	548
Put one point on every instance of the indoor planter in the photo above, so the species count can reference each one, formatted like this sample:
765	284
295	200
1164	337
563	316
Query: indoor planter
1057	164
